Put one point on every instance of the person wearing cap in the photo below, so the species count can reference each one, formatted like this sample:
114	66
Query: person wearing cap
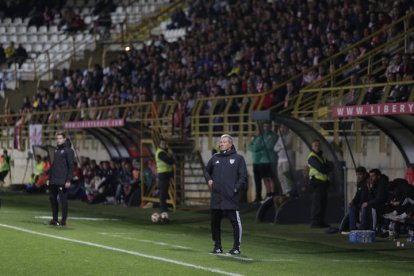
226	175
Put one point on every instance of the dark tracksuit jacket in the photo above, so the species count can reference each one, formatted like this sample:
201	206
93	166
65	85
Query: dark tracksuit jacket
60	172
229	174
228	171
63	165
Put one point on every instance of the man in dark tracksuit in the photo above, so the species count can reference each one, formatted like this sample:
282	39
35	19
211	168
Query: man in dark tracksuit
60	175
226	175
373	209
165	170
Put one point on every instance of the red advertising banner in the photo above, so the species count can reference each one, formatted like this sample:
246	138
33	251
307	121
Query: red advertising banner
95	124
372	110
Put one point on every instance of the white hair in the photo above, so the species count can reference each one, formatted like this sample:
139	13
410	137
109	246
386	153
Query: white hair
228	138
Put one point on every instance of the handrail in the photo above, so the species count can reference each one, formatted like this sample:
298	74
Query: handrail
330	60
154	115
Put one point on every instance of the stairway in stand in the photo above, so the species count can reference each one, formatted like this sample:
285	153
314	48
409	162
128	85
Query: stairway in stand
191	186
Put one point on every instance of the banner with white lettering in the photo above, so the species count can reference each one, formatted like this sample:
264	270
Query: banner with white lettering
95	124
373	110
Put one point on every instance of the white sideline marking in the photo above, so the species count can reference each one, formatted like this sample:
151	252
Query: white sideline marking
79	218
117	235
215	270
228	255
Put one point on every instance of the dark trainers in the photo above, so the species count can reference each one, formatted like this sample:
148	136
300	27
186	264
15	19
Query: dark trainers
54	223
235	251
62	223
217	250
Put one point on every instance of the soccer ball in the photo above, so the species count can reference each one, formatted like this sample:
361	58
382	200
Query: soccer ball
164	216
155	218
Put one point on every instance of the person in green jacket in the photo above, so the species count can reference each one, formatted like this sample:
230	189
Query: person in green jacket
4	166
264	159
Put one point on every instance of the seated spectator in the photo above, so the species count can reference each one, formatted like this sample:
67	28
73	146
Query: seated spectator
178	20
39	176
351	220
108	182
353	93
77	188
10	52
373	208
77	24
400	207
20	55
373	94
127	184
2	54
103	23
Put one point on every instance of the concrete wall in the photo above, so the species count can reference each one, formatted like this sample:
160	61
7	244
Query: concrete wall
390	162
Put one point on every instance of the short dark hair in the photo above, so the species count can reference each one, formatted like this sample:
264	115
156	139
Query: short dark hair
61	133
377	172
361	169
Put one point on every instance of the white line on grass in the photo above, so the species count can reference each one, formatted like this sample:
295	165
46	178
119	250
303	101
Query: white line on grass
146	241
79	218
215	270
228	255
116	235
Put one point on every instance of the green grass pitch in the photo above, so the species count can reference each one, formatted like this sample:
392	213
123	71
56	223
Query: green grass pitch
117	240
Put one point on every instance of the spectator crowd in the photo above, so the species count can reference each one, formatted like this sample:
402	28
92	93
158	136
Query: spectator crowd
236	48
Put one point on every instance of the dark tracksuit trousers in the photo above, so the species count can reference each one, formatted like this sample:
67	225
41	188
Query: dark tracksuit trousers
164	183
54	192
257	181
234	217
319	201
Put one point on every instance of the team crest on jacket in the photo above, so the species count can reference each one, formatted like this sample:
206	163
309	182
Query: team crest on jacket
232	161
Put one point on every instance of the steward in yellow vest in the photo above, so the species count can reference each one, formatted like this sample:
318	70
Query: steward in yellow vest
319	181
165	166
4	166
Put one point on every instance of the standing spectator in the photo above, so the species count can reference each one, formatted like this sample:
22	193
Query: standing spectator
60	175
319	182
226	175
4	166
285	160
263	157
165	170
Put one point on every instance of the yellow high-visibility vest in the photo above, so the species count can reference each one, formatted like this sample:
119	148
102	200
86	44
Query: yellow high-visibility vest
314	172
162	167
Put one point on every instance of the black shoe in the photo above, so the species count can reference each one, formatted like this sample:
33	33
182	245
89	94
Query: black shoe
217	250
62	223
319	225
235	251
54	222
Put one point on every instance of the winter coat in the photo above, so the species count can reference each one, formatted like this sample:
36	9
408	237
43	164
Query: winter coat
228	171
262	148
63	164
